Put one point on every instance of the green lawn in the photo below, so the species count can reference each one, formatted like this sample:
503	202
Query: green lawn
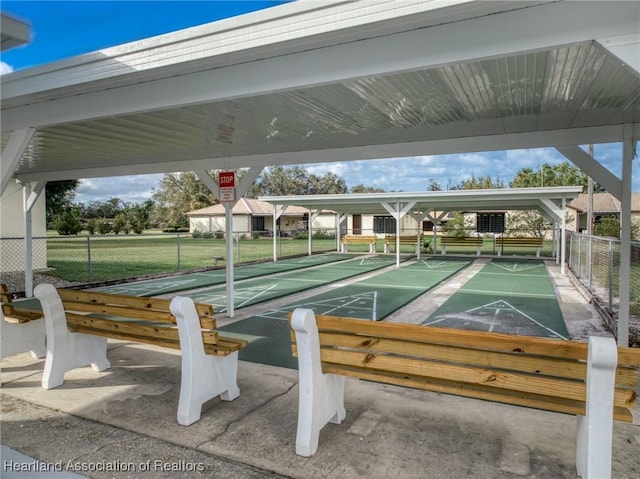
101	258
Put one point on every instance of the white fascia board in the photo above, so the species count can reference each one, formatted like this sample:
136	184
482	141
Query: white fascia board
524	30
511	141
280	30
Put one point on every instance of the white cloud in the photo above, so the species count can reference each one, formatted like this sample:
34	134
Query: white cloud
5	68
130	189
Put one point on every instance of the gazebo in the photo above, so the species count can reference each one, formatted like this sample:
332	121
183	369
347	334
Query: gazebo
309	82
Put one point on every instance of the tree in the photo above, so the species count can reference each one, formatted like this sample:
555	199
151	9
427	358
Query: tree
433	185
58	197
564	174
458	225
177	194
295	180
610	226
366	189
480	183
530	223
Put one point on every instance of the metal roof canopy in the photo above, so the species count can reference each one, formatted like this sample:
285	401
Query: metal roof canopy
550	202
310	82
545	200
307	82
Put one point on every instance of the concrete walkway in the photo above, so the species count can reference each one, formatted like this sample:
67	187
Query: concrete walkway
121	423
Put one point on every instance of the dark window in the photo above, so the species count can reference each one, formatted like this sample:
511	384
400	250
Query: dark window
427	226
384	225
357	224
257	223
490	223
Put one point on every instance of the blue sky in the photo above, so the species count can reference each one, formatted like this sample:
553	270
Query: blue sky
65	29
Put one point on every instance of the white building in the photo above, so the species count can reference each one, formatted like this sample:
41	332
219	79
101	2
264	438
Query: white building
253	218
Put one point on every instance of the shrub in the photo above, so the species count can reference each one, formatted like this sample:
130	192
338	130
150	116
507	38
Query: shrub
68	223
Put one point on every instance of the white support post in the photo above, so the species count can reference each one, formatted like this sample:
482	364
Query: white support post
30	194
563	237
204	376
321	396
66	350
312	217
628	152
28	241
228	213
595	429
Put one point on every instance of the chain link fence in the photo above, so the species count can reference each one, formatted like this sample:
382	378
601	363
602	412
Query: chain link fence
595	262
88	259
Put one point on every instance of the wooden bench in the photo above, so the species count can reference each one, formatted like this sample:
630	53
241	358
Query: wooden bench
78	324
22	328
346	240
519	242
413	240
476	241
594	381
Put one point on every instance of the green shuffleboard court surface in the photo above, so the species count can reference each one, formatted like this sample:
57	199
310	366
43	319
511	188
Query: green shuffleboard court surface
174	284
369	299
258	290
506	296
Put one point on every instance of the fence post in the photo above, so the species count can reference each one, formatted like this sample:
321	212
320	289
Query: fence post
89	258
579	256
590	262
178	244
611	276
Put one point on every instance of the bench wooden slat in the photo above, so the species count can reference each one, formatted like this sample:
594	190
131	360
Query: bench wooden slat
500	379
135	328
359	239
534	241
457	337
536	401
130	306
461	240
557	367
137	302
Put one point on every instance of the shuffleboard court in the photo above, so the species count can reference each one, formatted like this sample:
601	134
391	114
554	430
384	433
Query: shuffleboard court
160	286
369	299
258	290
506	296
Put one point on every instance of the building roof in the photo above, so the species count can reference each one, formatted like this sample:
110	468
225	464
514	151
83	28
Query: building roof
603	203
310	82
248	206
546	200
13	32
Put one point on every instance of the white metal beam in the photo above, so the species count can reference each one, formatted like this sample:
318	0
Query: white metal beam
593	168
12	154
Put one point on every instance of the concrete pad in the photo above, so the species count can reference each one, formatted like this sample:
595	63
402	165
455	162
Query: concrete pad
400	433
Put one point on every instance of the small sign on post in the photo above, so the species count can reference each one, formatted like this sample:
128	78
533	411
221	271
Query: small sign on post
227	183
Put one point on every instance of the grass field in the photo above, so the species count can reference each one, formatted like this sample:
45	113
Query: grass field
87	258
102	258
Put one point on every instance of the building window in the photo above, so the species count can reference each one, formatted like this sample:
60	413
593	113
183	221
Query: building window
257	223
384	225
490	222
